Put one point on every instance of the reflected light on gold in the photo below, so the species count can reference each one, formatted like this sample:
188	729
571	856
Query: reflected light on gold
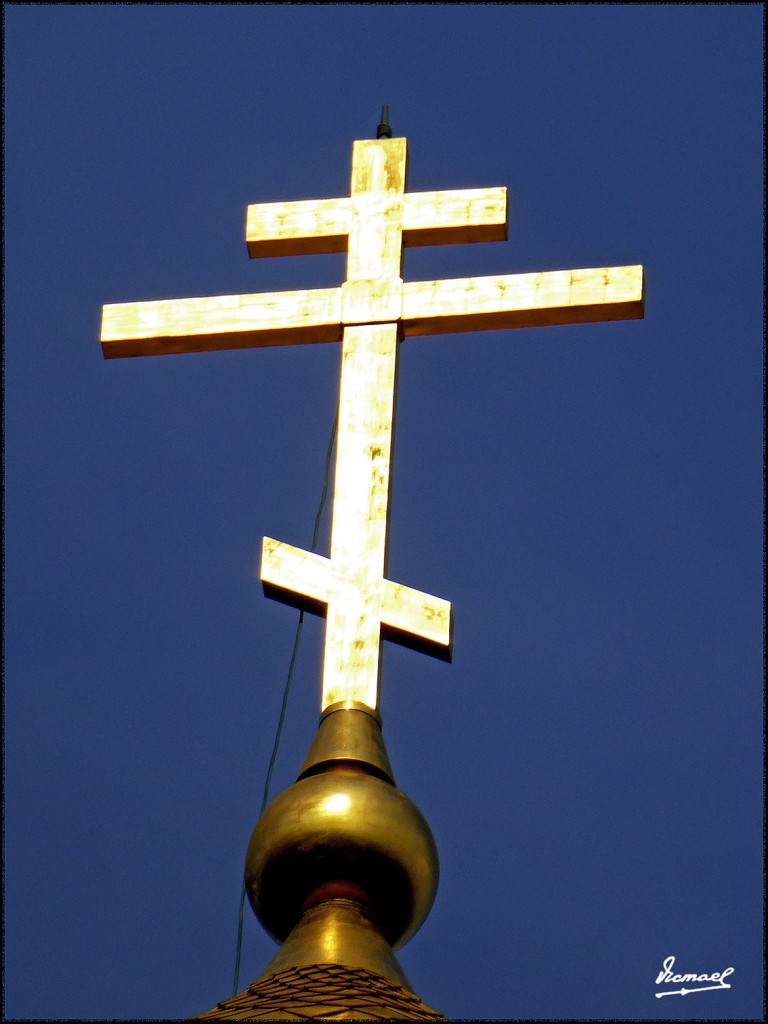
337	804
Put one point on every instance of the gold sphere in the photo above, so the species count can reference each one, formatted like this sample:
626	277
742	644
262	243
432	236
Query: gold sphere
342	827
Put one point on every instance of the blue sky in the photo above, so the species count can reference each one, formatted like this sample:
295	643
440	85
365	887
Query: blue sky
588	497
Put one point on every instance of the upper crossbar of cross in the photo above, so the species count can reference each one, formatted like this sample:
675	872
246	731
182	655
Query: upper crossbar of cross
370	312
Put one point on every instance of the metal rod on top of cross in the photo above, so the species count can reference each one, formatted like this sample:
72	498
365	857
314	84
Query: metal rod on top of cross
384	129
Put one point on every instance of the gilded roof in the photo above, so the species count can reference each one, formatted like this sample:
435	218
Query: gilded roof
323	992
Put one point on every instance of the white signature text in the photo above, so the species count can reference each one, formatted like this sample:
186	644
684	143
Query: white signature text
666	976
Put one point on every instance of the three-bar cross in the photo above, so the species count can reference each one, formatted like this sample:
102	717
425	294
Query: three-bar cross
370	313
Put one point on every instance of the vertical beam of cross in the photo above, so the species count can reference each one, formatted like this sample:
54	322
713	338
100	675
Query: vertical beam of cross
354	588
360	523
352	662
360	526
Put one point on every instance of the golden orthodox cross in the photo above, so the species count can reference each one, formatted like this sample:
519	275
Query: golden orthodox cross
370	313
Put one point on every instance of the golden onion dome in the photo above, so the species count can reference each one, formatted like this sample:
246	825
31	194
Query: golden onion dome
343	831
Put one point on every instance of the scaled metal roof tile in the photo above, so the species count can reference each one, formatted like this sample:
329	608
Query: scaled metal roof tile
323	992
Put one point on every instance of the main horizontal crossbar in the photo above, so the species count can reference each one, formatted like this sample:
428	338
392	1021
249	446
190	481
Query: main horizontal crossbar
523	300
428	307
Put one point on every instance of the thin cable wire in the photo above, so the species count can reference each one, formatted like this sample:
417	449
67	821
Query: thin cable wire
286	691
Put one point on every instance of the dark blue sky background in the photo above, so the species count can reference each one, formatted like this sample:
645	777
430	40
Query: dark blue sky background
588	497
